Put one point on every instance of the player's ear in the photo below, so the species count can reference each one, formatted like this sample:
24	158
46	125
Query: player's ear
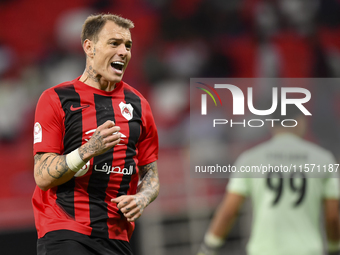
88	46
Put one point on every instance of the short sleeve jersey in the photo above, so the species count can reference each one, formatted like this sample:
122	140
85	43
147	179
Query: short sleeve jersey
287	205
66	117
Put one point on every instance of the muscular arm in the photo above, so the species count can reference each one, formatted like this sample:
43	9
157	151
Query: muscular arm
221	224
148	188
50	169
133	206
226	214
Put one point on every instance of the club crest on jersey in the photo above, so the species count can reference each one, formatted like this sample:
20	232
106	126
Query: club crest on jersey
127	110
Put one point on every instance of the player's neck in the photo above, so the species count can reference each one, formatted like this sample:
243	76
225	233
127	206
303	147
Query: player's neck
96	82
283	131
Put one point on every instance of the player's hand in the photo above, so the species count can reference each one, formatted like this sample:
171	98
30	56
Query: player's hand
105	137
206	250
132	206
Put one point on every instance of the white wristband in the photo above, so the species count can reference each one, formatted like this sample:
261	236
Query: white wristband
213	241
74	161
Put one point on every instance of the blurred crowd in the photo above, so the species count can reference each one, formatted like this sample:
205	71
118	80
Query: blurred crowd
173	41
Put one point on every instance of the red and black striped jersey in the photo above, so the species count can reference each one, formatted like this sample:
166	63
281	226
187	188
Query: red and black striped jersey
66	117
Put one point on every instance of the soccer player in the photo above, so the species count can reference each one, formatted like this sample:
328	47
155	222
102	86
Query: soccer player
286	205
95	141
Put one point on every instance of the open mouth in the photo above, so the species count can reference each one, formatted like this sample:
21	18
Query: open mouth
117	65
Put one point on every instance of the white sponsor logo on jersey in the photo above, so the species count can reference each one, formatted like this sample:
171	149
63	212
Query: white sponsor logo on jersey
114	169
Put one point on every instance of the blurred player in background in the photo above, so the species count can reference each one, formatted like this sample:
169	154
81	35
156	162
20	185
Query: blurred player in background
286	205
94	140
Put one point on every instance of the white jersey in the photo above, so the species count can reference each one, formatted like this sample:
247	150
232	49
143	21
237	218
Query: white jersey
286	211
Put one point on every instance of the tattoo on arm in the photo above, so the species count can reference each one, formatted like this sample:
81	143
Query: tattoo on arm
37	158
92	146
59	163
60	167
149	185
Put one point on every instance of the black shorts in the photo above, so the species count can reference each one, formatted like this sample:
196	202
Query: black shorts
66	242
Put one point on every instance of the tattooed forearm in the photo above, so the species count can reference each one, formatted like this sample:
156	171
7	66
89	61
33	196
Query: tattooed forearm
91	147
60	167
50	170
54	164
132	206
149	186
